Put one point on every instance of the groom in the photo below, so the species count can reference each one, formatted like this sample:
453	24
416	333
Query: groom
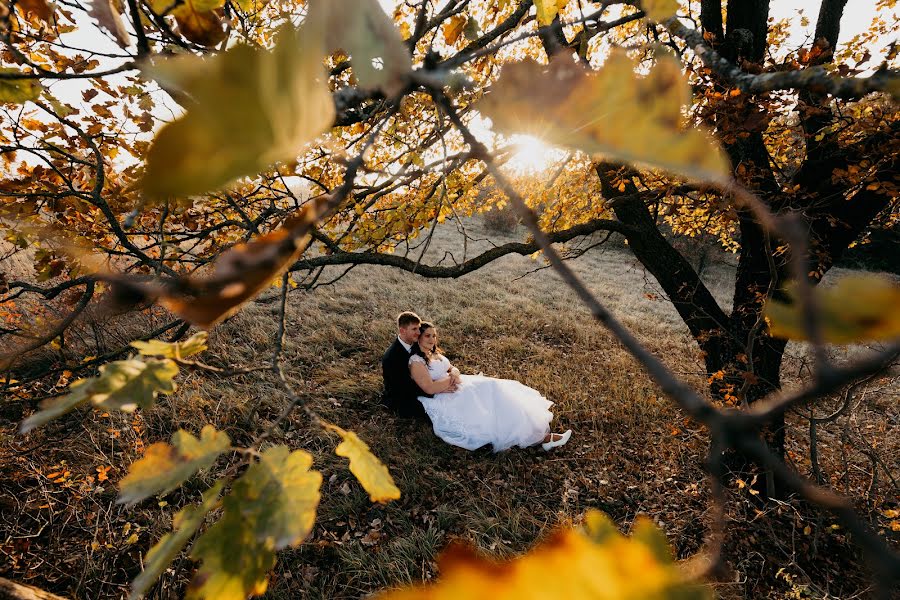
400	391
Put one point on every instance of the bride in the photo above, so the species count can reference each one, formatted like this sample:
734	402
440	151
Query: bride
479	410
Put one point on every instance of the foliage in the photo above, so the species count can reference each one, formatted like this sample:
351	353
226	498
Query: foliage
377	117
599	563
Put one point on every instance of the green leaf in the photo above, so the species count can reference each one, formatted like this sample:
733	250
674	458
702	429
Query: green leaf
855	309
366	467
363	30
18	91
193	345
128	384
164	467
271	506
252	107
79	393
612	113
235	563
278	497
184	526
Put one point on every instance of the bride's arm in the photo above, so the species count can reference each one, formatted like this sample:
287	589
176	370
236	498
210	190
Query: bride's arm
423	379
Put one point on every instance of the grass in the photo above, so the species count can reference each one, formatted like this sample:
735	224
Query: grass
632	451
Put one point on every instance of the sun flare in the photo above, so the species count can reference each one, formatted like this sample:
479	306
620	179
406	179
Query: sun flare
531	155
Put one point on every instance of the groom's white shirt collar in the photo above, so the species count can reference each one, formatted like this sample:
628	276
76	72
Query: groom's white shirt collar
405	345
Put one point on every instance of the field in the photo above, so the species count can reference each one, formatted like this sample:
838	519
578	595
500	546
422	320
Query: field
632	452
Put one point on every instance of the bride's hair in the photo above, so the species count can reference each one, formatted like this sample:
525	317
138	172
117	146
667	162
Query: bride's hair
417	349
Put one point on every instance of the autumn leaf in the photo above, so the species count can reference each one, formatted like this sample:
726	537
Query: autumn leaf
278	497
79	393
612	113
164	467
363	30
857	308
252	107
599	565
238	274
548	9
193	345
659	10
453	28
234	563
204	28
41	9
18	91
272	505
110	19
128	384
184	526
366	467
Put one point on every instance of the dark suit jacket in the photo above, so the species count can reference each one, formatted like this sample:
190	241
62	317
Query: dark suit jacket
400	391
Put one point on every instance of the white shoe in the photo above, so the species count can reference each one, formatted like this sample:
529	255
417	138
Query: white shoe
558	442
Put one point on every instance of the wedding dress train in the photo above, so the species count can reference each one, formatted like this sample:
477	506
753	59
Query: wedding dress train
486	410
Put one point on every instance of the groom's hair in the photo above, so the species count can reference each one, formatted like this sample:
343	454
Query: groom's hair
408	318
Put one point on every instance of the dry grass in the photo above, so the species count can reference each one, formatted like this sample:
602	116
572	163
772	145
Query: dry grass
632	452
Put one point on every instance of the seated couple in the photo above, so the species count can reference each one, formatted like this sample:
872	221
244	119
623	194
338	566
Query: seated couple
468	411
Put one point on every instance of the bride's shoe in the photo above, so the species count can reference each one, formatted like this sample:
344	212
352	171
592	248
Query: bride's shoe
560	441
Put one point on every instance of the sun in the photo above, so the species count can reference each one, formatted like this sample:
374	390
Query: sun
531	155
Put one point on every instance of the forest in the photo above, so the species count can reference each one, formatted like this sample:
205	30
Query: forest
676	220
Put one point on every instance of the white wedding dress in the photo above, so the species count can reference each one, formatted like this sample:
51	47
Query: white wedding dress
485	410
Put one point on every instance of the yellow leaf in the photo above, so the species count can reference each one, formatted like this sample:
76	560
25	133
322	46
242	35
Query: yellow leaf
193	345
548	9
166	466
857	308
453	28
569	564
366	467
18	91
361	28
252	107
611	113
659	10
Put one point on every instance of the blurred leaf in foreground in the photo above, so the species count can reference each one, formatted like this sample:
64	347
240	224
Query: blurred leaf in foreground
569	564
659	10
18	91
164	467
121	385
362	29
366	467
612	113
184	526
857	308
252	107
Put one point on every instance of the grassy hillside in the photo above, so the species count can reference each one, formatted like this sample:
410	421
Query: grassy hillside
632	452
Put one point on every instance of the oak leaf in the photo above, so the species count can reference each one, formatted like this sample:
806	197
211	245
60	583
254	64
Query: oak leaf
164	467
128	384
366	467
362	29
599	565
453	28
277	497
184	526
79	393
611	113
659	10
109	18
193	345
251	107
18	91
857	308
548	9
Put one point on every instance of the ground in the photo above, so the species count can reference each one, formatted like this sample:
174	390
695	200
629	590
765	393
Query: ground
632	452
